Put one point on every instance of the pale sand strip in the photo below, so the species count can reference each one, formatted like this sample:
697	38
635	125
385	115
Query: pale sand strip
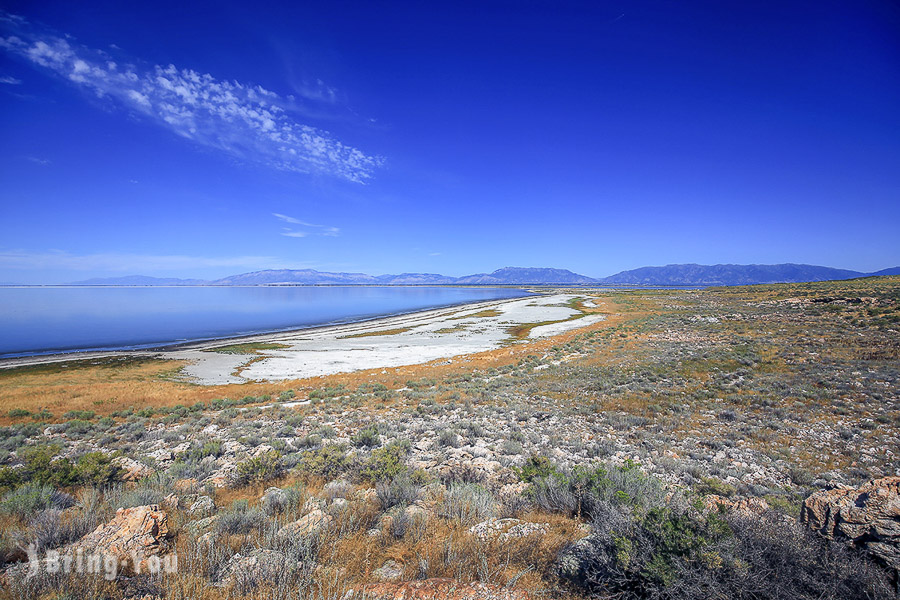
428	335
431	336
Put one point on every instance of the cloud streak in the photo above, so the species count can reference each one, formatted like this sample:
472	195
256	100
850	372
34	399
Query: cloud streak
242	120
312	229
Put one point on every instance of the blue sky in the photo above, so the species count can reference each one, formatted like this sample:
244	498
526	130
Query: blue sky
191	140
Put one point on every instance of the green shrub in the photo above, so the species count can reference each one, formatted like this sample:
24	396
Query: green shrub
42	466
367	437
97	468
42	415
9	479
387	462
199	451
85	415
260	468
328	461
18	412
535	467
33	497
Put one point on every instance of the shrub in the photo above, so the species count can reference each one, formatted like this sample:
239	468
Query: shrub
448	439
239	518
399	490
328	461
468	503
33	497
367	437
96	468
18	412
260	468
199	451
85	415
535	467
386	462
42	466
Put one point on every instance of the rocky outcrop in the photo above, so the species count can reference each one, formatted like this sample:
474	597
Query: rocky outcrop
134	535
310	524
132	470
434	589
744	506
247	571
869	516
506	529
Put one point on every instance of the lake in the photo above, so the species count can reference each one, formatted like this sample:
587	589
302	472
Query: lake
42	320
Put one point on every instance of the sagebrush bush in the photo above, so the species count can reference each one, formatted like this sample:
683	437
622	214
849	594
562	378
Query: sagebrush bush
468	504
239	518
386	462
400	490
264	467
367	437
33	497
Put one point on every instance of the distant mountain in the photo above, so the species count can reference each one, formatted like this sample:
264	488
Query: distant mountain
669	275
505	276
416	279
139	280
296	276
525	276
891	271
692	274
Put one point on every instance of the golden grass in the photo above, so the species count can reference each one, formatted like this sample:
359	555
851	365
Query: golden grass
376	333
118	383
491	312
248	348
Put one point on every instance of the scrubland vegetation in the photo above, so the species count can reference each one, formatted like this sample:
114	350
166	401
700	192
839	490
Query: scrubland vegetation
663	453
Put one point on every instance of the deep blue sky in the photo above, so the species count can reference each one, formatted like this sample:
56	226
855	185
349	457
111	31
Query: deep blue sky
451	138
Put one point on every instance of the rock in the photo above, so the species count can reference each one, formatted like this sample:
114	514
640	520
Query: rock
507	529
203	504
273	499
746	506
248	571
133	470
389	571
310	524
869	516
172	502
186	485
434	589
134	535
199	525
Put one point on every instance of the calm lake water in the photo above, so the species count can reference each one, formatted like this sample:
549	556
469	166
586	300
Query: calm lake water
54	319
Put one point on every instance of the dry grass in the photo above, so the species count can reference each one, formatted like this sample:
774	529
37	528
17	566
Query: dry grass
491	312
248	348
376	333
112	384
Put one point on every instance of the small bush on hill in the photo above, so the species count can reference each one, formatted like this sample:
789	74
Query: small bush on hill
260	468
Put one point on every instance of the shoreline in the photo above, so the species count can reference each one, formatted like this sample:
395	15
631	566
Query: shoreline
160	350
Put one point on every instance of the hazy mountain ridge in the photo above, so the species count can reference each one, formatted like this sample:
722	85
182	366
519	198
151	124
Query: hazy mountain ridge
679	274
730	274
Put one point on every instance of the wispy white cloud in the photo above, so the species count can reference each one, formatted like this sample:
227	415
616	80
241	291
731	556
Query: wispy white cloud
241	119
10	80
124	262
312	229
39	161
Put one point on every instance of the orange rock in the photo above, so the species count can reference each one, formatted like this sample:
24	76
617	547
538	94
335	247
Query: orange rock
134	535
869	516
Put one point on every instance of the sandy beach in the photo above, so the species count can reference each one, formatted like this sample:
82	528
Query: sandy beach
387	342
390	342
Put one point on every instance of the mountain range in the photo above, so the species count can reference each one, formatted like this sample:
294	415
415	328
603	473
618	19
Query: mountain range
669	275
